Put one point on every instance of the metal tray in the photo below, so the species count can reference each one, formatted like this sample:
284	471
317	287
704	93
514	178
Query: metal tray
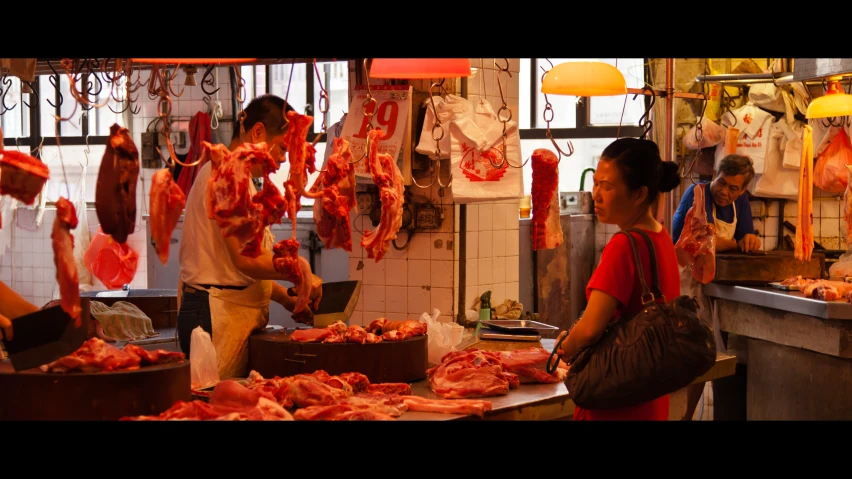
518	326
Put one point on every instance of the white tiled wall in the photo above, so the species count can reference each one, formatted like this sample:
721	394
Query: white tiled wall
408	282
424	276
492	251
34	275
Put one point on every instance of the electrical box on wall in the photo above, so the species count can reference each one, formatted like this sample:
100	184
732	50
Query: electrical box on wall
148	155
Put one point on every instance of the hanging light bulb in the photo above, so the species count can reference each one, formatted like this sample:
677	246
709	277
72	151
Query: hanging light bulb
834	103
584	79
190	72
419	68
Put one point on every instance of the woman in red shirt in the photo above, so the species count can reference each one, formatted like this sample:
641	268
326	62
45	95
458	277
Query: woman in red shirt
627	181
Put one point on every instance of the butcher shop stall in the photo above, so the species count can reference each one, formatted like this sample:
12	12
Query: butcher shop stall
446	205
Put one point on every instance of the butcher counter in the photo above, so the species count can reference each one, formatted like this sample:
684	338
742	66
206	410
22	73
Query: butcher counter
546	402
798	351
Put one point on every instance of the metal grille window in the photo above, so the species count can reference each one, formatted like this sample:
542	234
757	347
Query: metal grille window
589	123
29	124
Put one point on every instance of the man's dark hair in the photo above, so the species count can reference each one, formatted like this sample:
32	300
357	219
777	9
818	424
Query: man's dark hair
733	165
266	109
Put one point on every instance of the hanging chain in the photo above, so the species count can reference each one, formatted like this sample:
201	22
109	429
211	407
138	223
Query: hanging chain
548	117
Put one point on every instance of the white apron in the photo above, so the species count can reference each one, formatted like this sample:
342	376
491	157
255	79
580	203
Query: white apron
692	287
234	316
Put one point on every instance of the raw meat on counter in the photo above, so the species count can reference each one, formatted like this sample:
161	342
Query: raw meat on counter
389	180
696	246
97	356
546	228
827	290
397	330
334	193
316	396
477	373
797	282
115	192
21	176
63	258
167	204
379	330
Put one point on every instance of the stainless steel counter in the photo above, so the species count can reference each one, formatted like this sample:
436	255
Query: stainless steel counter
790	301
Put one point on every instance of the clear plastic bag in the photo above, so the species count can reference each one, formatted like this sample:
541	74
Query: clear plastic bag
204	364
443	337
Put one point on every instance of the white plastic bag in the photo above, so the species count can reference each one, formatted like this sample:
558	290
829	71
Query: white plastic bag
204	365
443	337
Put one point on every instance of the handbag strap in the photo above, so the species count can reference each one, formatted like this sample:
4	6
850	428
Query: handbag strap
647	295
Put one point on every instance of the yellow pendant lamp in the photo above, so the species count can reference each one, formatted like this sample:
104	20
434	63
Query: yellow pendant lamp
419	68
584	79
834	103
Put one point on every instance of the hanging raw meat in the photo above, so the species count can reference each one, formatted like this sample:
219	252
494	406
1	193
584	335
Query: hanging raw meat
63	258
847	200
302	157
804	244
335	198
167	204
387	177
546	229
696	246
22	176
115	192
229	198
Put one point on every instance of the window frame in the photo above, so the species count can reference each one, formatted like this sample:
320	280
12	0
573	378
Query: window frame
584	128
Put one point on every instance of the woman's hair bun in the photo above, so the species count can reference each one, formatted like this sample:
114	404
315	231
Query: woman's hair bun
670	178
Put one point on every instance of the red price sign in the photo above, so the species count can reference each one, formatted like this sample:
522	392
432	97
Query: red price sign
390	111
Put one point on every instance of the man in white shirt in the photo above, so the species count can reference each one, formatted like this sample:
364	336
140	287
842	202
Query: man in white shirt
224	292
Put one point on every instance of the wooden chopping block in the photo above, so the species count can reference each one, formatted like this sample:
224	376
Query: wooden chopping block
742	268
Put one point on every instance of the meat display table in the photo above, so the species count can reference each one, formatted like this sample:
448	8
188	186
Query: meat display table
547	402
799	351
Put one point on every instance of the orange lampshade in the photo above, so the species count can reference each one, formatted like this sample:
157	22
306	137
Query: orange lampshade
834	103
172	61
419	68
584	79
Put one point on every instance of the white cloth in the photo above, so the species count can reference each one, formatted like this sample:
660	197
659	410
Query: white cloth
753	125
777	181
450	109
234	316
475	142
203	256
791	144
724	230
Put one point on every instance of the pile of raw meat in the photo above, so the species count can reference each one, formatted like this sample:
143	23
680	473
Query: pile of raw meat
96	356
822	289
477	373
696	246
316	396
378	331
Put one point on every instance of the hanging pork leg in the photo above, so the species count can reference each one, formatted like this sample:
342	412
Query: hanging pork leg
115	193
546	228
387	177
336	187
63	258
167	204
22	176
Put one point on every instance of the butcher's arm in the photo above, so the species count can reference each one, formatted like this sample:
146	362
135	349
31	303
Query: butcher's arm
588	329
257	268
725	245
280	296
